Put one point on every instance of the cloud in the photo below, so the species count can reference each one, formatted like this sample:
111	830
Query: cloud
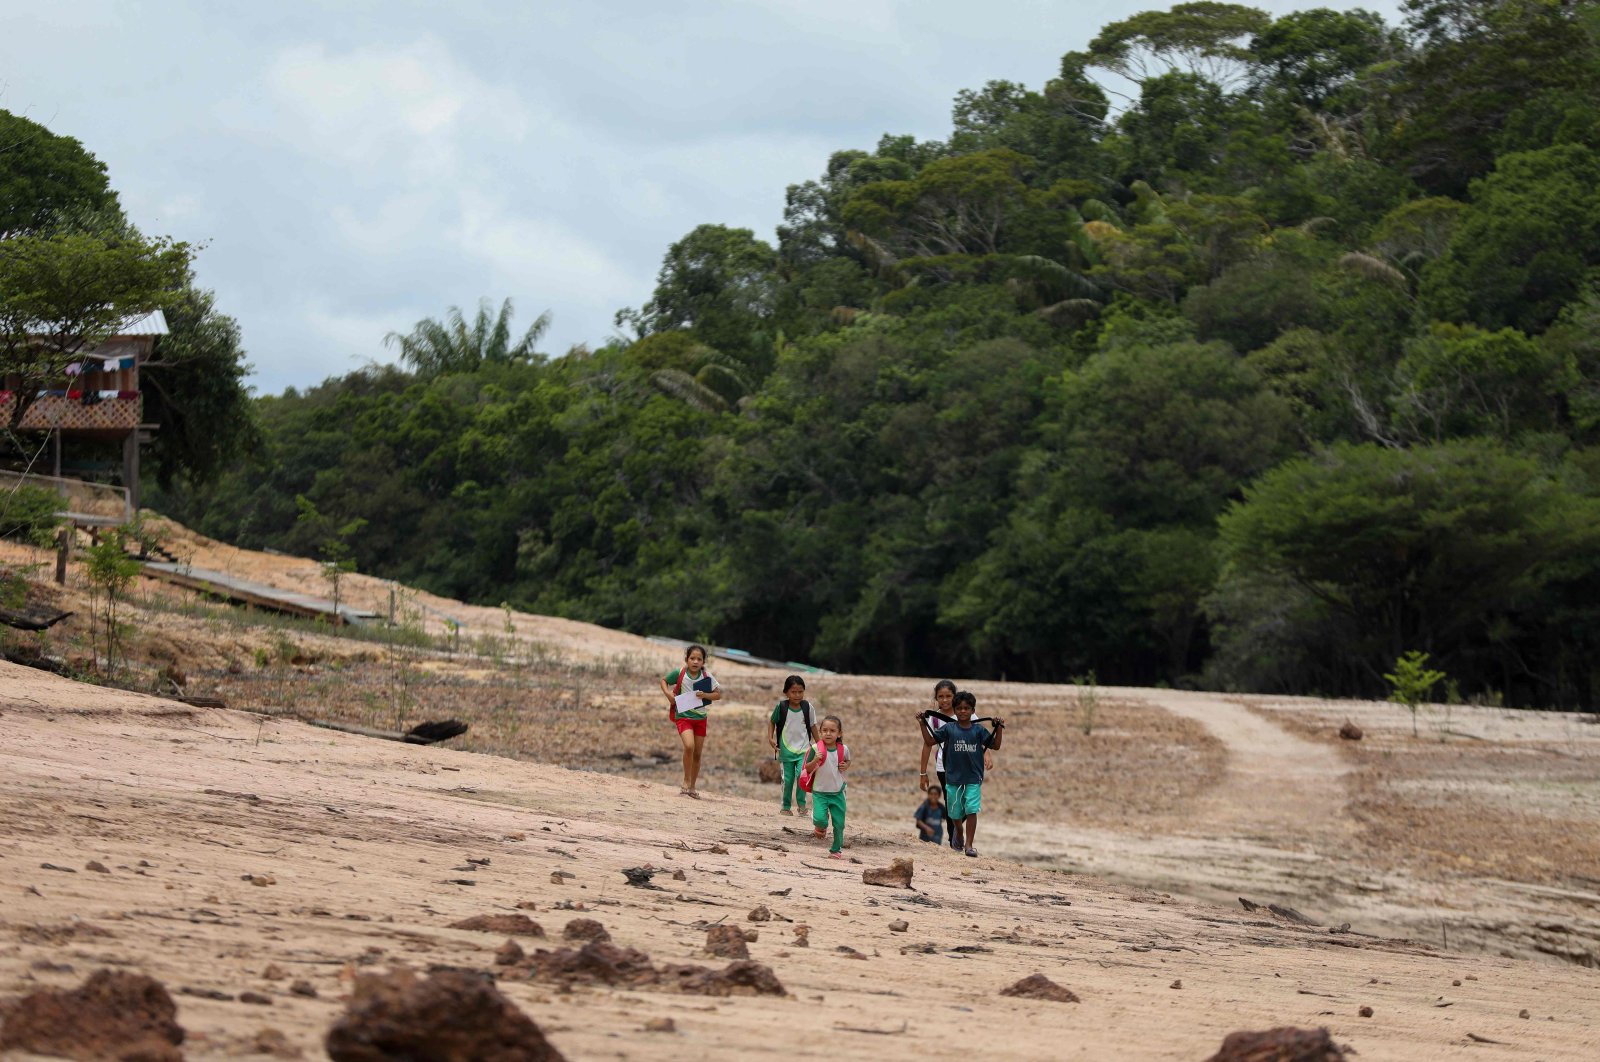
353	168
413	105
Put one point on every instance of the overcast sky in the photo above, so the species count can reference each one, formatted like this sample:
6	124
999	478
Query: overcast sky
353	167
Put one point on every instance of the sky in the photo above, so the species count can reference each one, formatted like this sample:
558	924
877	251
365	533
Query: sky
350	168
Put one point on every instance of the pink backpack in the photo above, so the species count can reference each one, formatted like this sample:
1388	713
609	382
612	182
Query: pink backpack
809	769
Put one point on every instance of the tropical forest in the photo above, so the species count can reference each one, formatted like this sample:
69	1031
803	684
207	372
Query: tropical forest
1245	353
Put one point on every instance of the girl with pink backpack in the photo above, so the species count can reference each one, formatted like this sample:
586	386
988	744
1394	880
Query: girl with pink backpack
823	777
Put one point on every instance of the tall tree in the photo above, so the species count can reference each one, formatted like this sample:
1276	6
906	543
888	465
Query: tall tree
44	176
194	388
436	348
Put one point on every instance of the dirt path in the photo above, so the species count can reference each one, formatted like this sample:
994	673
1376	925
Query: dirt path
1270	830
1277	785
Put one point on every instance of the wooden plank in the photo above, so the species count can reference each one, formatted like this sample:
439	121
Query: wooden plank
259	595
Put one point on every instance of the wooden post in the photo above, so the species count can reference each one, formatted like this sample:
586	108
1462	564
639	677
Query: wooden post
57	441
130	470
63	548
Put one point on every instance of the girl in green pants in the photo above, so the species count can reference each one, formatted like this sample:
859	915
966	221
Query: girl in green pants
826	763
790	732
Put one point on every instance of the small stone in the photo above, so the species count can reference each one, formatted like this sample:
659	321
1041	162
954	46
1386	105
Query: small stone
560	877
1038	986
96	866
274	972
515	925
454	1014
257	998
303	988
509	954
678	875
1523	1014
760	914
271	1042
1176	984
1365	1012
660	1025
899	925
897	875
727	942
1350	732
113	1015
261	880
1287	1042
751	935
585	929
802	936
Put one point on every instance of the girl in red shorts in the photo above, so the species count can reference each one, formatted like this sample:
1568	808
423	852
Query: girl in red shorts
691	722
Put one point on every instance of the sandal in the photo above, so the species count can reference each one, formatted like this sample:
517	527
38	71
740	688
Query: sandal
835	855
973	852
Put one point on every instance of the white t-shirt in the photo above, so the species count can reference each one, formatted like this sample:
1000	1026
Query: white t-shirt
826	776
794	736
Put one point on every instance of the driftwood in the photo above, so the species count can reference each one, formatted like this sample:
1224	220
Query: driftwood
421	734
32	617
43	663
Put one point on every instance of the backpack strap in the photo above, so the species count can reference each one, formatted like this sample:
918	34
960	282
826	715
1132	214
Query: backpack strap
931	714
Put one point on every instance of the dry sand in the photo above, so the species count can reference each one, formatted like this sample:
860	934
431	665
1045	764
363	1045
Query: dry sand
364	848
1465	859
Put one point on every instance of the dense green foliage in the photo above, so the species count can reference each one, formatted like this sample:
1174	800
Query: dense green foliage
1263	376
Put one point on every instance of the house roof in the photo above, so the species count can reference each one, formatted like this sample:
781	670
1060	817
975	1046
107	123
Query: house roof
153	323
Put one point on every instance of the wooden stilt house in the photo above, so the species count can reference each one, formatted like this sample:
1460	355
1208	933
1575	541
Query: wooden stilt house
96	397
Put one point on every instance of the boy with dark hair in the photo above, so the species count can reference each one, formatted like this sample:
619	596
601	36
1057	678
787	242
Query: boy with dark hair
964	743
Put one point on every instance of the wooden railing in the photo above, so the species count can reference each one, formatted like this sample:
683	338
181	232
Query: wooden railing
70	413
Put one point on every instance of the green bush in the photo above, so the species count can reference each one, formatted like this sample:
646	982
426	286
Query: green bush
28	514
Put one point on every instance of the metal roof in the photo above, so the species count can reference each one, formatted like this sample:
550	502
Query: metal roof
153	323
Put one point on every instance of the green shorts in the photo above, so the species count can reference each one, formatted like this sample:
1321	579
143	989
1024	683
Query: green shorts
963	800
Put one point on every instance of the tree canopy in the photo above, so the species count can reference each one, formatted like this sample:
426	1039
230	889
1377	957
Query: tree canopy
1247	351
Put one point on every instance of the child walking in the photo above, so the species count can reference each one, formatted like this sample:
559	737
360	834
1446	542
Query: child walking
965	743
944	694
790	732
930	815
827	781
691	721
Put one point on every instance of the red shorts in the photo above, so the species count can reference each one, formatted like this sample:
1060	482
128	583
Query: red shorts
697	725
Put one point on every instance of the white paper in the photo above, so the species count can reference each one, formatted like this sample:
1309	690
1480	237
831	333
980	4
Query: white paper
688	701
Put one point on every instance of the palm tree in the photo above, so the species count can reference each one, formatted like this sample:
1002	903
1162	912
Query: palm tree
434	348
